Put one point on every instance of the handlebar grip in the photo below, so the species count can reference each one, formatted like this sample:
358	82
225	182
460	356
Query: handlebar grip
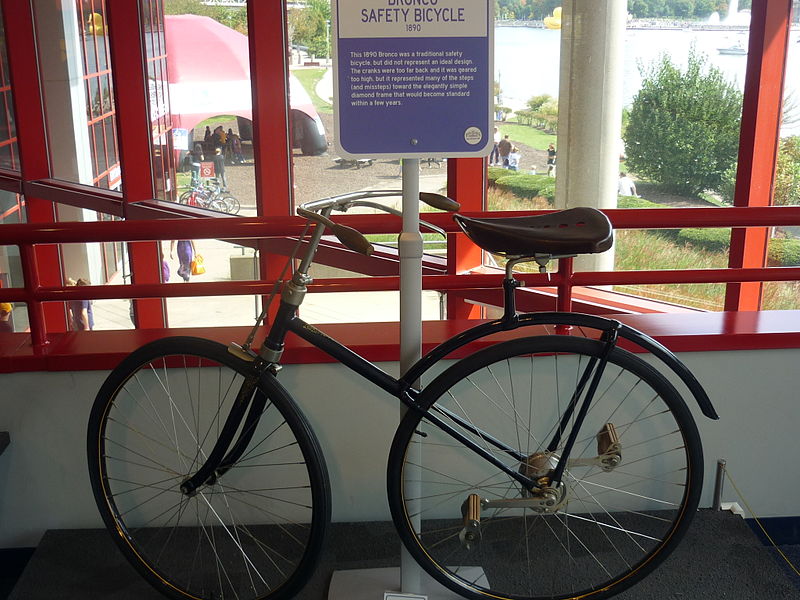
352	239
439	201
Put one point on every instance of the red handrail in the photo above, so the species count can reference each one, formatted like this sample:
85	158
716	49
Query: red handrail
26	236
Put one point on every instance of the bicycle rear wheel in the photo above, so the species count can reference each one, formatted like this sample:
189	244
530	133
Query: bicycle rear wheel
254	531
477	531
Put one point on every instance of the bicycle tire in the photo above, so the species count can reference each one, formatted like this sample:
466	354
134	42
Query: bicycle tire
233	206
217	204
253	533
609	528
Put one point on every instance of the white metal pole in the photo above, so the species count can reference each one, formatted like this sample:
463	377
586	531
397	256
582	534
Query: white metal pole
410	250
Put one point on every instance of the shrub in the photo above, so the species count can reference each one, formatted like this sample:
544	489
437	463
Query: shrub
783	252
787	174
495	173
525	117
523	185
549	191
683	129
714	239
634	202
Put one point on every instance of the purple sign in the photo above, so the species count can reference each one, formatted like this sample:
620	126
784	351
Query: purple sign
413	78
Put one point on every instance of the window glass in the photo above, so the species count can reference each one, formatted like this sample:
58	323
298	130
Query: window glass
319	172
220	261
76	76
12	208
9	154
160	113
210	107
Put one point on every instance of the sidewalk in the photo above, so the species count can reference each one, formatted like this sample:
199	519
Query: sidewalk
216	311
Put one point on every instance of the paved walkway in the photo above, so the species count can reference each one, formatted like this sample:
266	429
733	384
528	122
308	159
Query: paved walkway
194	311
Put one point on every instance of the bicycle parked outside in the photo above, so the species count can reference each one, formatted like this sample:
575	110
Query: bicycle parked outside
554	465
210	194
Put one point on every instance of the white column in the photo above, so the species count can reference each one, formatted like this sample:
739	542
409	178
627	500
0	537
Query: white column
410	250
590	109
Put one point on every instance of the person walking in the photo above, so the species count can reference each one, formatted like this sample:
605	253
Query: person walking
195	157
186	252
504	149
81	317
219	168
551	160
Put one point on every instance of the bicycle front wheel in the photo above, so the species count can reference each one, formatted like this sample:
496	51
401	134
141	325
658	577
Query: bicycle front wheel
252	531
630	487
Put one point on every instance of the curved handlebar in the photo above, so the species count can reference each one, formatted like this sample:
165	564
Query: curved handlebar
349	236
342	201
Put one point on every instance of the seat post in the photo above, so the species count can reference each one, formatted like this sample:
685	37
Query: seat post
509	285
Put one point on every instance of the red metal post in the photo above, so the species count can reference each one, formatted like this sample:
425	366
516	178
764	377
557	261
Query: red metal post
29	110
272	144
564	285
131	95
758	141
466	183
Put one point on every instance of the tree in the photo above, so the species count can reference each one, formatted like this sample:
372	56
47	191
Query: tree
233	17
310	26
787	173
683	130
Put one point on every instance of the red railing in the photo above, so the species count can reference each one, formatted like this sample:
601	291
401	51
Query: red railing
28	236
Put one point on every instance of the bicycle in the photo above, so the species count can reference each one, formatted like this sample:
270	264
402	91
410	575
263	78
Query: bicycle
555	465
210	195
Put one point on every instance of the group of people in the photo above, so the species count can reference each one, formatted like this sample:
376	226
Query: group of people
505	154
223	144
195	158
228	142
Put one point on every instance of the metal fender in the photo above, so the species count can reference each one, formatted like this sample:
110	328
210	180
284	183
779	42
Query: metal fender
635	336
569	319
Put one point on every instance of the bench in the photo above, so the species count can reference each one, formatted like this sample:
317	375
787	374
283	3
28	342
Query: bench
353	162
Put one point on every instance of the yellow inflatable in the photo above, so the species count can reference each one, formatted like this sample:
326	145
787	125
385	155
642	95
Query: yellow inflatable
96	26
554	21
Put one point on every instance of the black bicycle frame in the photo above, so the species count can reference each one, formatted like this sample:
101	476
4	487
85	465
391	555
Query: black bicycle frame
286	321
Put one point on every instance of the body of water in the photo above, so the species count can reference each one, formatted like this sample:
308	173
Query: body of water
526	61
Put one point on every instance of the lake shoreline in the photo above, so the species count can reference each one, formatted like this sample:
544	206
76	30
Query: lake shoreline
639	24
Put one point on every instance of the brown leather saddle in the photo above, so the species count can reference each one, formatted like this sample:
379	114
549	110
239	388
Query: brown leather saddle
568	232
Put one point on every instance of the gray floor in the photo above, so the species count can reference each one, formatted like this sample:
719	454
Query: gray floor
719	558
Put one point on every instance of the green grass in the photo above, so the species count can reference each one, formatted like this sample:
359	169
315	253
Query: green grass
525	134
309	78
214	121
636	250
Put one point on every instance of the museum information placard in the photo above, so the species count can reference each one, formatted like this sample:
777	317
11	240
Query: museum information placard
413	78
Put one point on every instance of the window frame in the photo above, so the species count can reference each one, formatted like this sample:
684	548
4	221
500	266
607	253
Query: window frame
273	172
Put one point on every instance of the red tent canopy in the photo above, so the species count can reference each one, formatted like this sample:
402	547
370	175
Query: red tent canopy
208	68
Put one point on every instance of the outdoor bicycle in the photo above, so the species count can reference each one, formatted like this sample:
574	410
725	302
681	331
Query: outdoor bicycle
553	465
210	194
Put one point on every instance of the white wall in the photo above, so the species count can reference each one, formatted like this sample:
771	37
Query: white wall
44	482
